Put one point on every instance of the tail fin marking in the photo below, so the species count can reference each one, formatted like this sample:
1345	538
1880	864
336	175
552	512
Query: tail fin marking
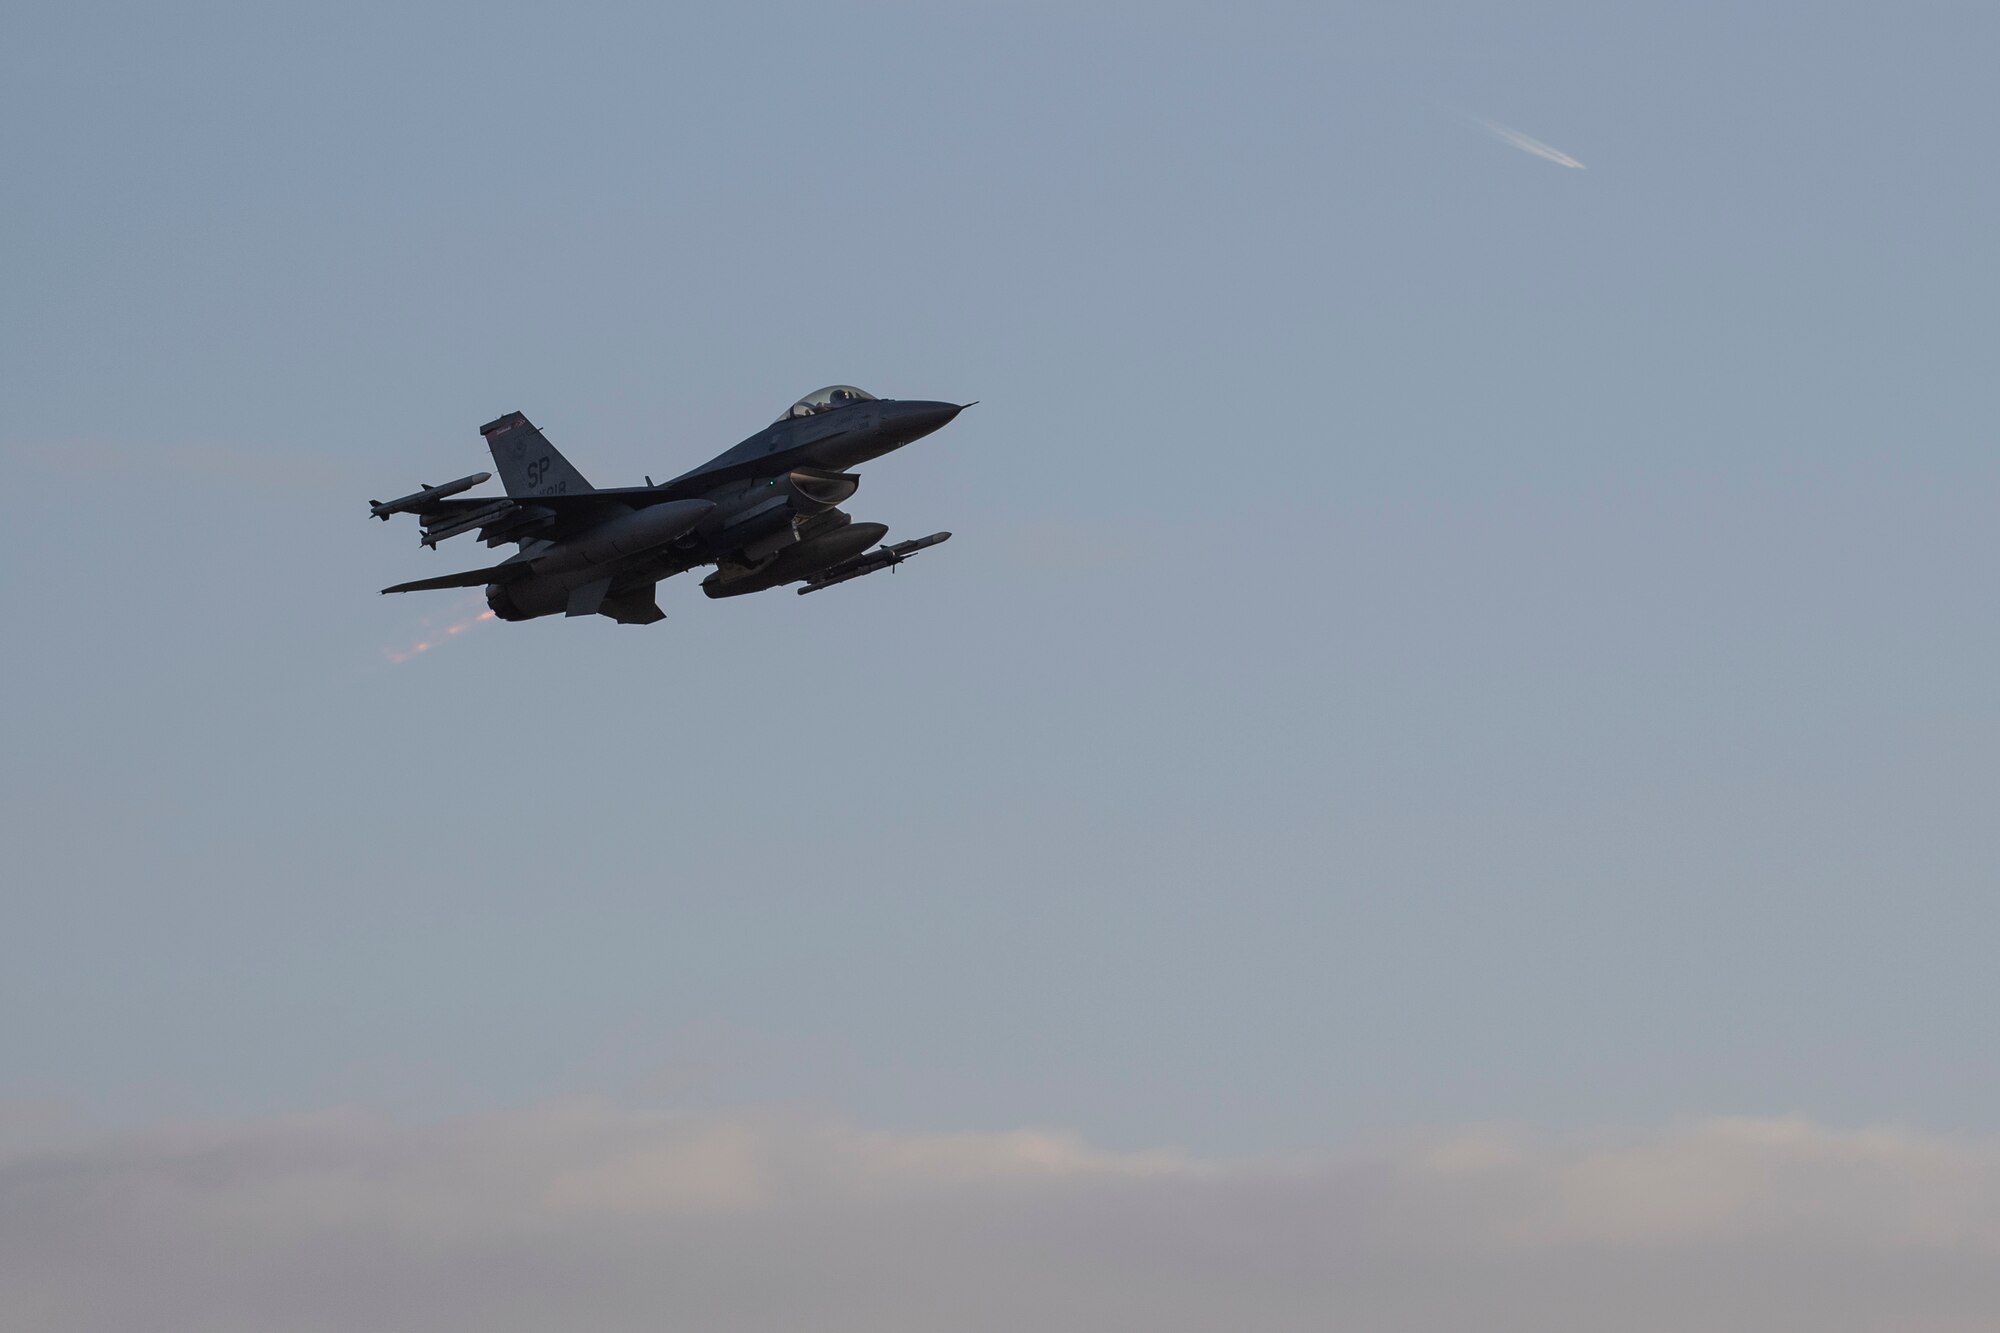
528	464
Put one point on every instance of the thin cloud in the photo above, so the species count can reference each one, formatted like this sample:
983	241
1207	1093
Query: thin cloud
274	467
589	1215
1531	145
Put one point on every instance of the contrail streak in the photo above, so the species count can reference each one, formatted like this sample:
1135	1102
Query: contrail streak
1535	146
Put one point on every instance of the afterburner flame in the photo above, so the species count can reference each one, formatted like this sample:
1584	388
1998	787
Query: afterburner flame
462	619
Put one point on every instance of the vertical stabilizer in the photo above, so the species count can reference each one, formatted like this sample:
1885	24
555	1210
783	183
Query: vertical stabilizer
527	463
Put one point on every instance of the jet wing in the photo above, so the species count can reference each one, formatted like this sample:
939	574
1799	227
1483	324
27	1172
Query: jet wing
466	578
503	519
629	496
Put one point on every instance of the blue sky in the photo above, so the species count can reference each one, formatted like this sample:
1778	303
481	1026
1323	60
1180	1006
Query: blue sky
1432	637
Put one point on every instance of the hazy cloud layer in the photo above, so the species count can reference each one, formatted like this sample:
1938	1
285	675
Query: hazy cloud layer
264	468
590	1216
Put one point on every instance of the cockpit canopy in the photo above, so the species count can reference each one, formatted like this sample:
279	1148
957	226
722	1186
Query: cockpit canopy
826	400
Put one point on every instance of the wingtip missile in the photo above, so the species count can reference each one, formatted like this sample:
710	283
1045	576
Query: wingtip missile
377	509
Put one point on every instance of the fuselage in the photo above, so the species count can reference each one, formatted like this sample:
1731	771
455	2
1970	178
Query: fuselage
764	512
835	439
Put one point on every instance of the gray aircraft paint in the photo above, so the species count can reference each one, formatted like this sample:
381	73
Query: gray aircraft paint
765	513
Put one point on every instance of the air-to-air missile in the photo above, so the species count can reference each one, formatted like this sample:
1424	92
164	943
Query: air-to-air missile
886	557
465	520
377	509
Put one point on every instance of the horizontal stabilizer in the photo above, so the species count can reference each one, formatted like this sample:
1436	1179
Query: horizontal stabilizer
470	578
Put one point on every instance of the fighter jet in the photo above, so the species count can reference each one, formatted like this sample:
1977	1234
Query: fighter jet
765	513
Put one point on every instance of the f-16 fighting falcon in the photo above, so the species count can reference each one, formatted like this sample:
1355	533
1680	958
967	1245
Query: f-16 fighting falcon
765	513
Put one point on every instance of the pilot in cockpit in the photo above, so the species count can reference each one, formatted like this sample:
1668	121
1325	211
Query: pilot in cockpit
827	399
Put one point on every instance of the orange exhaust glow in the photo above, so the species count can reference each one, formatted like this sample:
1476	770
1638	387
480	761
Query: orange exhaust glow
462	619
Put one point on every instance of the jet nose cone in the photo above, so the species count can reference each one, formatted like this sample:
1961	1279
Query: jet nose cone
914	420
